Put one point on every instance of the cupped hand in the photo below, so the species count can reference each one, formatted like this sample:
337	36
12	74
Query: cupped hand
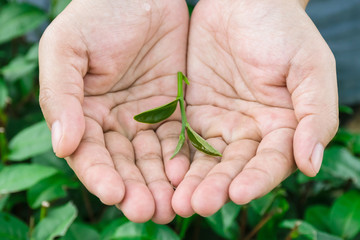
263	92
101	63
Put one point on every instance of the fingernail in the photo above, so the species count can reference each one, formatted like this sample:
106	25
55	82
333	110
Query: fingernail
56	134
317	157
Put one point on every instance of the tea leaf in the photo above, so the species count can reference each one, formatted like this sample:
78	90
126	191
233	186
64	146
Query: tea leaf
179	145
12	228
318	216
199	143
30	142
304	229
345	215
17	19
224	221
49	189
56	223
80	231
3	94
20	177
158	114
148	231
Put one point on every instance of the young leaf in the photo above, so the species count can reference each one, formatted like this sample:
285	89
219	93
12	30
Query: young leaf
157	114
183	77
199	143
56	223
179	145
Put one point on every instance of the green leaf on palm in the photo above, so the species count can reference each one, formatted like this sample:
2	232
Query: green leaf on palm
157	114
199	143
179	145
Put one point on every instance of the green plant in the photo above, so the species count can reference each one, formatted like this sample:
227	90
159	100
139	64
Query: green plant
163	112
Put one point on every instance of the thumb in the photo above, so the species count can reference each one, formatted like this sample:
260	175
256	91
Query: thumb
62	64
313	87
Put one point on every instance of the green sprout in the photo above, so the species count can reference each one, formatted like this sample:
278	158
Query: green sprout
163	112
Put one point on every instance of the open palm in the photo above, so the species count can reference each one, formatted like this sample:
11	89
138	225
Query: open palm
113	60
263	92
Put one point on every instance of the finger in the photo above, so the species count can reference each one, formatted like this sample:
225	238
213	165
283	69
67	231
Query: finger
271	165
93	165
314	96
177	167
199	168
62	64
213	191
149	161
138	203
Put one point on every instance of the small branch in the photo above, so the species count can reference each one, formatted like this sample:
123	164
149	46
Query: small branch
87	204
243	221
262	222
43	211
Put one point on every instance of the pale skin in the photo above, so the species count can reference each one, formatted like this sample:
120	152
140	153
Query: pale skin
262	91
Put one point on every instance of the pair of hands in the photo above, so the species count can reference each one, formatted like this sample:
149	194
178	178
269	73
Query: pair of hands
262	91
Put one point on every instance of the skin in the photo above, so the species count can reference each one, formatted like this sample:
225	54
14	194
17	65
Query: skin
263	92
98	68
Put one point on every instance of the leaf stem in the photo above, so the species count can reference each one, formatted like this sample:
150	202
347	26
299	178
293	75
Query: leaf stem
180	97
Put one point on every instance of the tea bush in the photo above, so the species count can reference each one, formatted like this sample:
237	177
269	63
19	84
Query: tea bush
41	198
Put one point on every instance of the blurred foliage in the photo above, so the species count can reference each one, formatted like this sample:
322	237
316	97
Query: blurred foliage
41	198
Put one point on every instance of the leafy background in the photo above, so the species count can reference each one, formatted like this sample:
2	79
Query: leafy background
41	198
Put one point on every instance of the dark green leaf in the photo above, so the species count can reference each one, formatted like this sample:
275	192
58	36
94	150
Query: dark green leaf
56	223
17	19
49	189
3	94
30	142
12	228
20	177
338	164
356	145
199	143
21	66
346	109
142	231
81	231
111	228
18	68
157	114
343	137
345	215
179	145
305	229
263	204
224	221
318	216
3	200
50	159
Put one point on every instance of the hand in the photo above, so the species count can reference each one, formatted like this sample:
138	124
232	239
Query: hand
263	92
101	63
